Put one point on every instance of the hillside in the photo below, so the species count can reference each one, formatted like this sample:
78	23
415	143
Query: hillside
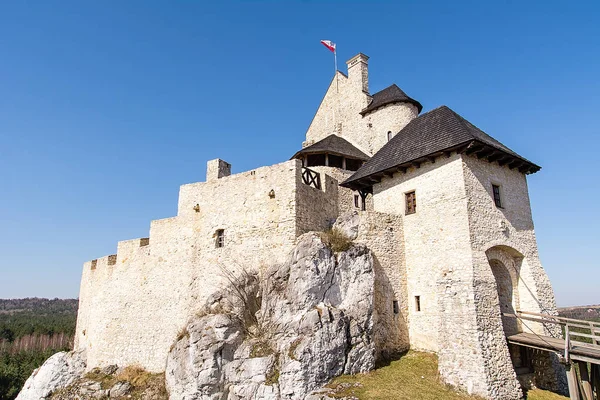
31	330
591	313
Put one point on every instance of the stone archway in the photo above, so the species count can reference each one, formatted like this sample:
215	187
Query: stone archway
505	264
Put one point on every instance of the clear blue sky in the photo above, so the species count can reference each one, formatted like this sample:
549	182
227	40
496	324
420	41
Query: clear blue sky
106	107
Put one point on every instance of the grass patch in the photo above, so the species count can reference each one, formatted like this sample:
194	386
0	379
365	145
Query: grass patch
293	347
272	377
538	394
261	349
337	240
414	376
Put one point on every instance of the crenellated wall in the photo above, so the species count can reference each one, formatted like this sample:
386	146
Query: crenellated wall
133	304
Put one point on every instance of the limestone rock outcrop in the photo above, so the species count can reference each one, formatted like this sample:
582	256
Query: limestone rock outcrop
315	322
57	372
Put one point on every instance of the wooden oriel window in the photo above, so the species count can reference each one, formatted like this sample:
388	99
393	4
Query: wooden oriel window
220	238
411	203
497	198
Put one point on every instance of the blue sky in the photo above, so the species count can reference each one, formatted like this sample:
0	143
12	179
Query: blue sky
107	107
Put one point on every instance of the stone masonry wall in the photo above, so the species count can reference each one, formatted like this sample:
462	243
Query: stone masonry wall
506	237
383	235
134	303
436	237
345	196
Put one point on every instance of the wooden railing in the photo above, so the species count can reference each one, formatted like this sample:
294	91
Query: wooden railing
311	178
577	332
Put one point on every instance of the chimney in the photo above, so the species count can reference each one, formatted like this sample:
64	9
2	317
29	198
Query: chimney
216	169
358	71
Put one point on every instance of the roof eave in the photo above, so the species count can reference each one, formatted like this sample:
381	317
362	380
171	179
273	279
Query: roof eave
474	147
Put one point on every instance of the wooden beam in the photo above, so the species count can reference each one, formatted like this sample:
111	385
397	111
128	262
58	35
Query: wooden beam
596	377
515	164
417	165
447	154
524	169
495	156
504	160
401	169
432	159
389	173
484	153
572	380
473	149
586	386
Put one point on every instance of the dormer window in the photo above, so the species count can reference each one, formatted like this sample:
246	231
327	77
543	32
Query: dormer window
389	135
220	238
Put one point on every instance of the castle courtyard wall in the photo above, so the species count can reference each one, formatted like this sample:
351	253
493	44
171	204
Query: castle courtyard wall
134	303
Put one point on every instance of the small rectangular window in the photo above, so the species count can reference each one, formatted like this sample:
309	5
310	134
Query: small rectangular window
396	307
356	201
220	240
497	199
418	303
411	203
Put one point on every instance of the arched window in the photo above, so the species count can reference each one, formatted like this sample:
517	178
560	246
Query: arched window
389	135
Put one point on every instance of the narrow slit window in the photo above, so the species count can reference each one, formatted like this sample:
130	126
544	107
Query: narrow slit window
418	303
356	200
411	203
497	198
389	135
220	238
396	307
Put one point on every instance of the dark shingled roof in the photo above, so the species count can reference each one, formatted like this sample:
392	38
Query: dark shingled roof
336	145
391	94
431	134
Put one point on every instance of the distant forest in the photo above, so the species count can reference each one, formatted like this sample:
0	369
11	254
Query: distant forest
31	330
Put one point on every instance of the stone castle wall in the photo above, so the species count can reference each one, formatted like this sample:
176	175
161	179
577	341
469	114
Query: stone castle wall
346	197
436	237
383	234
133	304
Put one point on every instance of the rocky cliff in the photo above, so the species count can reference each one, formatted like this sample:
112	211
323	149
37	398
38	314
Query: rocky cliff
279	335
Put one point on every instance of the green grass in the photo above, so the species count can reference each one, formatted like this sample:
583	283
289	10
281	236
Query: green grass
414	376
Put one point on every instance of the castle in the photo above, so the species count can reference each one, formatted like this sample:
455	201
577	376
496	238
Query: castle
443	206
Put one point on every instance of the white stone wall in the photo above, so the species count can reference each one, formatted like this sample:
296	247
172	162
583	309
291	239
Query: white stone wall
339	113
132	305
506	235
449	244
345	196
436	237
383	235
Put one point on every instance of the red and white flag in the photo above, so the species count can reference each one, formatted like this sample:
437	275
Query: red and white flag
329	44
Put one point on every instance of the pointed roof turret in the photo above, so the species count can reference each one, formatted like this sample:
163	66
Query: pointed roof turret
389	95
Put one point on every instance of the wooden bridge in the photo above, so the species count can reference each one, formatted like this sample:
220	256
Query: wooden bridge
579	350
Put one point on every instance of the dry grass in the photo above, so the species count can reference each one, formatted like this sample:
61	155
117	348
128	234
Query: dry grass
145	384
538	394
337	240
414	376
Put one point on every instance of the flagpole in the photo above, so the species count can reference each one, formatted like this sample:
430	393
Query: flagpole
337	88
